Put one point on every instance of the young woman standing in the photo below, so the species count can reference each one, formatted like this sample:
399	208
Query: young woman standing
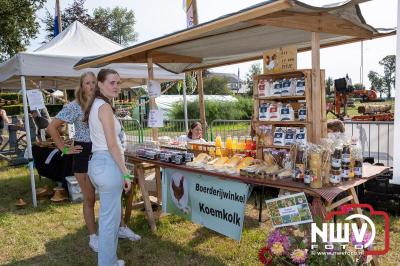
107	169
72	113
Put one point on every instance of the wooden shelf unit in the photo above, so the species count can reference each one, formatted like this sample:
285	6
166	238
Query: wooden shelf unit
282	98
274	147
283	123
294	101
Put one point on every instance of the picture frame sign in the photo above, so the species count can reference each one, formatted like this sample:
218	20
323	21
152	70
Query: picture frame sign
278	60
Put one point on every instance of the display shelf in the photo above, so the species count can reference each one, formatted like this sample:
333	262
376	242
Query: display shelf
280	98
283	123
274	147
295	101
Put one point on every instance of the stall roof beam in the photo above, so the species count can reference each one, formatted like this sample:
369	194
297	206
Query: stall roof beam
313	22
246	34
158	57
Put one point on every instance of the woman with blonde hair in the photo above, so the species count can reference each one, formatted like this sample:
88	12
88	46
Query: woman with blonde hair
72	113
107	169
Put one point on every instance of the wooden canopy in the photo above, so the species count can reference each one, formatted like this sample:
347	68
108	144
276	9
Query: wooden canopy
244	35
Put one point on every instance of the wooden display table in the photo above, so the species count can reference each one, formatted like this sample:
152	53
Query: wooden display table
323	198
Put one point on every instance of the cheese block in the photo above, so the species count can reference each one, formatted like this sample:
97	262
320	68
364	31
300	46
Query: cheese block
202	157
234	161
245	162
221	161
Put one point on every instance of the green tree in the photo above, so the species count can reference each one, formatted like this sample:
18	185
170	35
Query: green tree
116	24
255	69
216	85
359	86
389	69
18	25
328	86
376	82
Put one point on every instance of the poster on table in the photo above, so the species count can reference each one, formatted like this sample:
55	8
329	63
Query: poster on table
215	203
278	60
156	118
289	210
35	99
154	88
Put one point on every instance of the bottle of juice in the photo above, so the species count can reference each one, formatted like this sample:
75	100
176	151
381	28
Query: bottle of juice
228	142
228	146
218	142
218	152
234	144
249	143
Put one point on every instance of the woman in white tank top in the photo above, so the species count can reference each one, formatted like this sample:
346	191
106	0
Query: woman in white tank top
107	169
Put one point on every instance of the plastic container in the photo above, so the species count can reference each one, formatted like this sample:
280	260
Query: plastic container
74	190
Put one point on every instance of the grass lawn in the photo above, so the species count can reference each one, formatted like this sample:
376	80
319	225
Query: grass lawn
54	234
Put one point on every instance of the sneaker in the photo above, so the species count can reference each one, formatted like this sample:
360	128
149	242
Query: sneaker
94	243
120	263
125	232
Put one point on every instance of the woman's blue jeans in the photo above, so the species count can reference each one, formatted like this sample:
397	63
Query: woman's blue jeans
107	178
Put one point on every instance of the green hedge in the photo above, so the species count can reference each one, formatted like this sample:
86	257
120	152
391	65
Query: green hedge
13	109
240	110
10	96
19	109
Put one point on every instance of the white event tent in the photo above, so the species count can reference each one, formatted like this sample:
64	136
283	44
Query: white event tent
51	66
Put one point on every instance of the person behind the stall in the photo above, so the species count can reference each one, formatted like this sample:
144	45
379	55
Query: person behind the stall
72	113
195	133
107	169
3	120
335	126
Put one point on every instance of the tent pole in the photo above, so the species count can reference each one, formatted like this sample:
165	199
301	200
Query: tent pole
316	88
153	104
28	141
185	105
396	152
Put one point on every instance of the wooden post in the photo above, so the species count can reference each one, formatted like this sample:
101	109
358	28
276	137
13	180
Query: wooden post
199	75
316	88
139	173
158	184
153	104
201	100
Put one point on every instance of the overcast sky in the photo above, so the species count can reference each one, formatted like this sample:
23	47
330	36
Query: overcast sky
155	18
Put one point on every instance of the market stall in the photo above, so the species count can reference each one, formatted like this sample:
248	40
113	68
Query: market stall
244	36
